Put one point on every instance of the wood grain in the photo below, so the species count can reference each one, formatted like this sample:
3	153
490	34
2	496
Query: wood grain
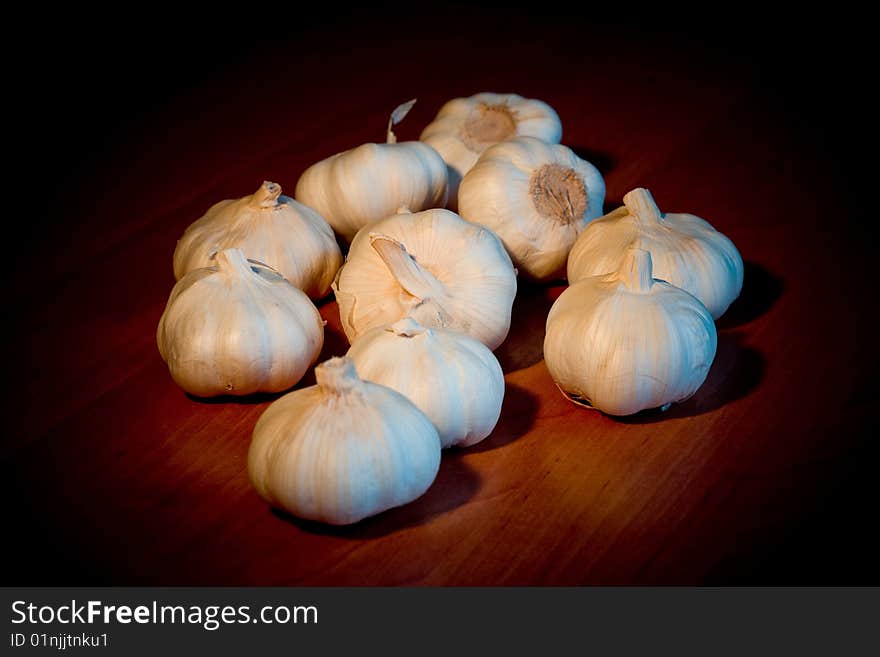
116	476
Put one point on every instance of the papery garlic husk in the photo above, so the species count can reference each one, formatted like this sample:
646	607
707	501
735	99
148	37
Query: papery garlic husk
373	181
465	127
433	266
626	342
238	327
342	450
270	228
454	379
686	251
536	197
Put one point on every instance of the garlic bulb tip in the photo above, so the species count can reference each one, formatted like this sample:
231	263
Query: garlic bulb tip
642	206
686	250
267	195
336	375
270	228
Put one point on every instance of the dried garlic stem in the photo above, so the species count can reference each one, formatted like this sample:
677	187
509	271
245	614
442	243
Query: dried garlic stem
266	196
641	205
412	277
636	271
396	117
233	262
337	375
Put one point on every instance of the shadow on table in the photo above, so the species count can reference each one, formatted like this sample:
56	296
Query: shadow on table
518	415
524	345
736	371
256	398
456	483
760	291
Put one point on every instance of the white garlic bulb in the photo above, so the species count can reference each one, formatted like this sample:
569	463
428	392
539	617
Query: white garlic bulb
626	342
342	450
455	380
238	327
536	197
270	228
373	181
465	127
686	250
434	266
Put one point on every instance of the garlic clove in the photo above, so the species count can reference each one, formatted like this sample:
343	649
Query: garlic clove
465	127
431	265
237	328
370	182
626	341
454	379
536	197
342	450
271	228
686	250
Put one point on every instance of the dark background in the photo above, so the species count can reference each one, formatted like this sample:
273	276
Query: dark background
84	97
85	89
82	87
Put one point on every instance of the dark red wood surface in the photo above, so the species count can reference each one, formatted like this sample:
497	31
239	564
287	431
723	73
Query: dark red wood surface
114	475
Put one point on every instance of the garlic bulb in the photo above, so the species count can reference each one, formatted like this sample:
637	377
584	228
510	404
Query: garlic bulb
434	266
238	327
686	250
625	342
373	181
536	197
288	236
465	127
343	449
455	380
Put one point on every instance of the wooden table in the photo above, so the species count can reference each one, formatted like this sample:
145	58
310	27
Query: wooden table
116	476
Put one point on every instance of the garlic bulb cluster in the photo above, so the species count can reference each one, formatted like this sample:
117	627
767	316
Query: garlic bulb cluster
426	294
465	127
686	250
236	328
536	197
433	266
373	181
343	449
626	342
274	229
455	380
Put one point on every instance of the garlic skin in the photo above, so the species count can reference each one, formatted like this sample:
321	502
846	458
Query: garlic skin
686	251
626	342
433	266
536	197
465	127
271	228
453	379
342	450
373	181
237	328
